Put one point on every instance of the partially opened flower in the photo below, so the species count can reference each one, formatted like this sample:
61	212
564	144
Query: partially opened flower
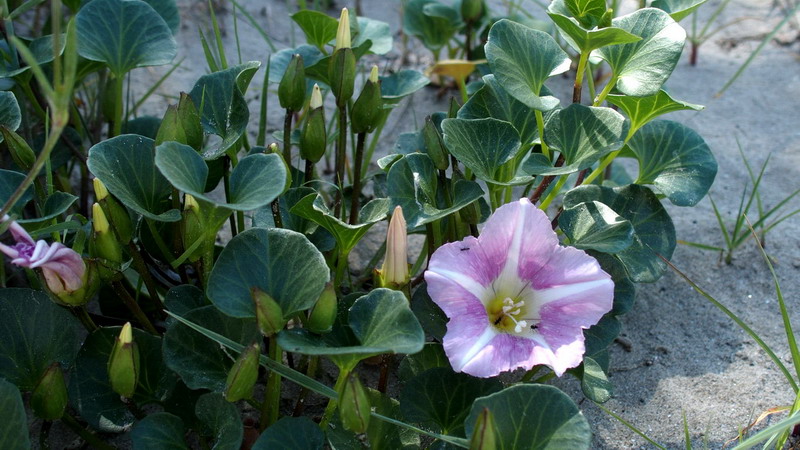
515	297
62	267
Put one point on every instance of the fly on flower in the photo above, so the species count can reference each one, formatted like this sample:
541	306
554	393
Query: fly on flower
517	298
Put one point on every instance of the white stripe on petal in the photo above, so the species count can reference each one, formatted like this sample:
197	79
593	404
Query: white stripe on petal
510	274
483	293
488	334
545	296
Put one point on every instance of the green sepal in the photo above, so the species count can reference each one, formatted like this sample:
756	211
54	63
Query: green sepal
354	405
181	123
49	397
21	152
314	138
292	88
322	316
123	364
367	111
269	315
435	145
342	75
243	375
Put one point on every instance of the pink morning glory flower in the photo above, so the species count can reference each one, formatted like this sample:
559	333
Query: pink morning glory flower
62	267
515	297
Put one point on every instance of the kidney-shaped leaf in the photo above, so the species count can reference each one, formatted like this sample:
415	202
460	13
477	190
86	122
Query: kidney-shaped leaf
675	159
489	147
318	27
381	322
159	431
642	67
522	59
219	97
9	182
34	333
577	20
641	110
57	203
595	226
533	416
412	185
14	426
125	164
282	263
124	35
256	181
653	228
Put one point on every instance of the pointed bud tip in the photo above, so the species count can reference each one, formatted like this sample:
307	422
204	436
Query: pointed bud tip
316	97
190	203
343	32
373	74
100	191
126	335
100	221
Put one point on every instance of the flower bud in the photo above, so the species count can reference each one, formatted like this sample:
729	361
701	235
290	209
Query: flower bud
322	316
181	123
123	364
471	10
313	137
471	214
368	108
243	375
435	145
193	227
394	272
49	397
292	88
104	244
354	407
116	213
342	75
343	32
269	315
452	111
484	434
21	152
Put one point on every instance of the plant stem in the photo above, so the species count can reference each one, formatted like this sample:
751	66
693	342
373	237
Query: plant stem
374	142
86	320
553	193
341	149
578	86
332	403
287	137
226	183
537	194
134	307
606	90
309	171
355	198
599	170
341	269
311	371
540	128
118	85
140	266
84	434
272	397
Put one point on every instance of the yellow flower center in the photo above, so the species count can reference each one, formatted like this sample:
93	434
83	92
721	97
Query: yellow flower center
508	314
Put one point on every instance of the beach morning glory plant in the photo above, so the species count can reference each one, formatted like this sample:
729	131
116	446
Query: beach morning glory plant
515	297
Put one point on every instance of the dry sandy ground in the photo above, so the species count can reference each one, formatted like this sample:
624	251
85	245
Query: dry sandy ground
686	357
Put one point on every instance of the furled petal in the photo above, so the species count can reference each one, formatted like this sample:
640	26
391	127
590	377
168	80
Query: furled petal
11	252
17	232
64	271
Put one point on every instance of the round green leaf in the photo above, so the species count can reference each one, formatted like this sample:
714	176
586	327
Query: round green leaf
159	431
493	101
298	433
125	164
381	322
256	181
34	333
489	147
675	159
642	67
412	184
641	110
10	115
90	390
653	228
219	97
588	12
402	84
595	226
318	27
533	416
522	59
124	35
440	398
282	263
201	363
583	134
678	9
14	426
222	418
376	32
594	382
431	22
184	298
431	356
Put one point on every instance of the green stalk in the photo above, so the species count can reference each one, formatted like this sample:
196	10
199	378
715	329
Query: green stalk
272	397
140	266
578	86
553	193
85	434
341	149
601	168
355	198
118	85
134	308
333	403
86	320
374	142
287	137
540	127
606	90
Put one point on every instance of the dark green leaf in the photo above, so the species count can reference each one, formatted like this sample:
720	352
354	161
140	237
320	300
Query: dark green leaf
533	416
429	21
595	226
297	433
14	426
34	333
641	110
9	182
412	184
318	27
280	61
200	362
159	431
219	98
146	126
222	418
642	67
624	289
384	435
678	9
430	316
431	356
42	50
54	206
402	84
184	298
10	115
168	10
589	12
440	399
522	59
489	147
675	159
256	181
124	35
653	228
599	337
126	166
594	382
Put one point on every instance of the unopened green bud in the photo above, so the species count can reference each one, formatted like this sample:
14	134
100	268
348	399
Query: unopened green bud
269	315
115	212
273	148
313	137
104	243
292	88
471	10
435	145
368	108
343	32
452	112
194	228
354	407
21	152
181	123
243	375
471	214
49	397
123	365
342	75
394	272
484	434
321	318
605	21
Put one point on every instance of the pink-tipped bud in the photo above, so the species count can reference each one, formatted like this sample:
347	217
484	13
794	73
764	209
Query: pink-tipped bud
394	272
